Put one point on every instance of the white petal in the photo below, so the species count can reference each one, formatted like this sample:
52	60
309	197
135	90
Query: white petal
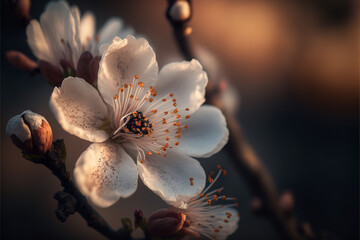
110	29
87	28
37	42
122	61
79	109
169	177
186	80
229	227
77	50
206	133
105	172
59	29
16	126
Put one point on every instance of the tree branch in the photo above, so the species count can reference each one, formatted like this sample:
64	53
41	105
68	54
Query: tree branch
55	162
249	165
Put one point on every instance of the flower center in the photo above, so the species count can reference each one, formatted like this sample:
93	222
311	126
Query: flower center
151	123
138	124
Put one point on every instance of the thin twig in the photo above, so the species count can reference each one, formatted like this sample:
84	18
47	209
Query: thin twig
249	165
54	162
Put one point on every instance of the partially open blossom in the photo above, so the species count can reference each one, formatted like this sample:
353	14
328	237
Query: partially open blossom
164	223
62	36
139	114
206	217
21	61
30	132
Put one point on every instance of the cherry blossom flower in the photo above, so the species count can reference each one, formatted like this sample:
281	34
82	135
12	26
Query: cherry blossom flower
61	38
142	115
204	217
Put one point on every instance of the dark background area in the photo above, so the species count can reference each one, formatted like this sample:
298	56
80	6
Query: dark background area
295	65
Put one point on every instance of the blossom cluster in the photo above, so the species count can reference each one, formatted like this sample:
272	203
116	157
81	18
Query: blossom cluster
141	122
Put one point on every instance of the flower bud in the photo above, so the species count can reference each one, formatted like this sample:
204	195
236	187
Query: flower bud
180	11
51	73
21	61
30	132
94	69
22	9
165	223
83	67
286	202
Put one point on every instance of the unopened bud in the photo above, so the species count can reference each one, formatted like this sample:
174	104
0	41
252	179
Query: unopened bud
165	223
180	11
22	9
286	202
52	73
83	67
66	65
30	132
94	69
21	61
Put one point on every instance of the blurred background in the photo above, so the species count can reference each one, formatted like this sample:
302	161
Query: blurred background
295	67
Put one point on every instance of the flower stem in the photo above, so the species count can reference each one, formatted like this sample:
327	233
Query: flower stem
91	216
257	177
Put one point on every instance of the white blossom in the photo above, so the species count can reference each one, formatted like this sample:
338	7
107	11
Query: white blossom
137	114
61	35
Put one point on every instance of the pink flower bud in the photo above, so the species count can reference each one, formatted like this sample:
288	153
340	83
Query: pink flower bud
51	73
22	9
30	132
83	67
165	222
21	61
180	11
286	202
